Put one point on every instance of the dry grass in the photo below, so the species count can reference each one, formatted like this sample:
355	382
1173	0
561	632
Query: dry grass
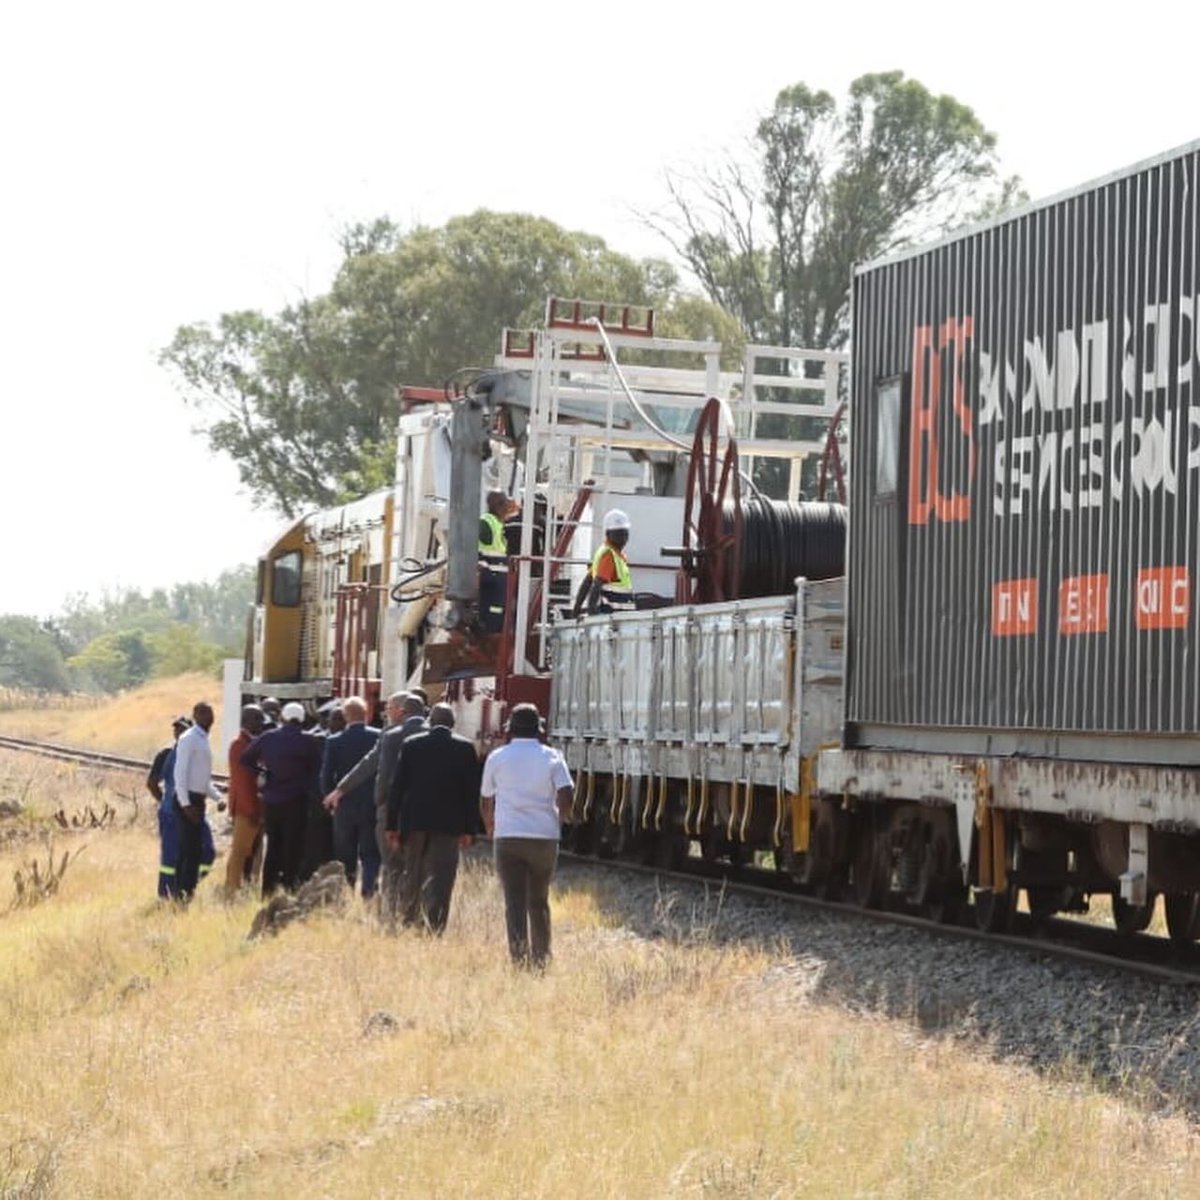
27	698
137	722
146	1052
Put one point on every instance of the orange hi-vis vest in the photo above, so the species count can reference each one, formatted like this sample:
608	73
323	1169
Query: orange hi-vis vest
617	593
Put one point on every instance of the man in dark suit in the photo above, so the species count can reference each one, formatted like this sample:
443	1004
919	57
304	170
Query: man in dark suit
406	717
354	815
433	810
291	762
319	839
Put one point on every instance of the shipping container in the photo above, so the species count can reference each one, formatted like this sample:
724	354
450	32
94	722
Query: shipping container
1026	493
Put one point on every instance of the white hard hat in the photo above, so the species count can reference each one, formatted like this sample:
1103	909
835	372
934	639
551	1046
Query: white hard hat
615	518
293	711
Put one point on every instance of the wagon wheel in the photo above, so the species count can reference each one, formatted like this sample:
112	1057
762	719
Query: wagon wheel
1132	918
994	910
831	459
712	545
1183	916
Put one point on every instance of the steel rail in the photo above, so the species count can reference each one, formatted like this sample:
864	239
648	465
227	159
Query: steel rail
1036	946
90	758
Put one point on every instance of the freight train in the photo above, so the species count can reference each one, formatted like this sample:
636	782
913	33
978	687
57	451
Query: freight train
999	691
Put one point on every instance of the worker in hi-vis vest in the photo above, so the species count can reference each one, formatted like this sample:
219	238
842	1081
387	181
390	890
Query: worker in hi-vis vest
608	586
493	563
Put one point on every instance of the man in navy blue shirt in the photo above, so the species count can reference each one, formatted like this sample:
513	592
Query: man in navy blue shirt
354	811
161	785
291	761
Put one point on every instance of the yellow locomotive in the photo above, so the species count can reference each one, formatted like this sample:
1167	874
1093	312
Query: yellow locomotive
316	626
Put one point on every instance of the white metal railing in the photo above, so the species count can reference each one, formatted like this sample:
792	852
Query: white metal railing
622	394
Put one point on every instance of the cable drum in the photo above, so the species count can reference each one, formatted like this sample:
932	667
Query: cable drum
737	546
783	540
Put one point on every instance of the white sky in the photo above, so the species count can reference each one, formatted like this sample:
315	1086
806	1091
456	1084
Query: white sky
163	163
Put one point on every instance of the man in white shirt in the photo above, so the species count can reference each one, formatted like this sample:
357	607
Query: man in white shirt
193	786
527	793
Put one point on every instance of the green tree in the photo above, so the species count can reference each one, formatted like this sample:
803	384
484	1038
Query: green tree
180	649
114	661
30	656
216	609
774	242
305	402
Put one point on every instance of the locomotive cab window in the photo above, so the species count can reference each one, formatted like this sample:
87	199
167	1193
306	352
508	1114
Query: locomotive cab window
887	437
285	580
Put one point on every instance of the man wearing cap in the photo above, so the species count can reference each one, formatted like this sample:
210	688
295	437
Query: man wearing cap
608	585
160	783
290	761
527	794
271	712
193	788
245	808
157	777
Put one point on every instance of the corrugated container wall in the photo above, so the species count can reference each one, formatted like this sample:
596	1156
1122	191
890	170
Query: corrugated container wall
1026	491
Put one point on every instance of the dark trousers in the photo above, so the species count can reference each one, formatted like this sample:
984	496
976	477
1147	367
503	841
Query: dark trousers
169	818
525	867
284	829
318	838
391	868
430	867
493	594
354	838
191	846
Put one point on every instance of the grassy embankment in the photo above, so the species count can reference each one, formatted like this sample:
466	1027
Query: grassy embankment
136	722
145	1052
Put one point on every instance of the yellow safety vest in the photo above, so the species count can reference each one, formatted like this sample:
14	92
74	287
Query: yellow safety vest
619	592
494	552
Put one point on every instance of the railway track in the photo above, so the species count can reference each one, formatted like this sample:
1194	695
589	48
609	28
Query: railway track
1075	941
91	758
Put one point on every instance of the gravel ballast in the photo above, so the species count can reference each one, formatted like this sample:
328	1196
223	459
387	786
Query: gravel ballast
1123	1031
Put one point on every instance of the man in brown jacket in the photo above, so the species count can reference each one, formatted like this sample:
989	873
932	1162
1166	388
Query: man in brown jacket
245	808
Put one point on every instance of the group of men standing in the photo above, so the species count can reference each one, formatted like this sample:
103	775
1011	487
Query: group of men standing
396	806
404	803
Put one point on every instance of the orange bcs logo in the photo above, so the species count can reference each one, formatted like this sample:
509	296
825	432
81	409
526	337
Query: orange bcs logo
931	354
